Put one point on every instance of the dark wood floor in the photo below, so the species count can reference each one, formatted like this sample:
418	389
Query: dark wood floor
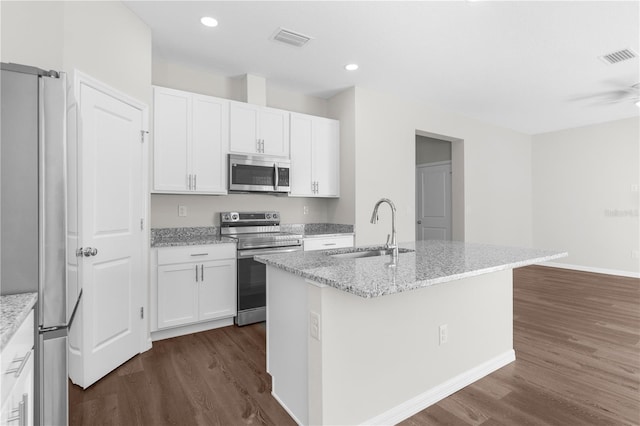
577	342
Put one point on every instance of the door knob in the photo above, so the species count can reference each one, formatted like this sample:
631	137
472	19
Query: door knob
419	222
90	251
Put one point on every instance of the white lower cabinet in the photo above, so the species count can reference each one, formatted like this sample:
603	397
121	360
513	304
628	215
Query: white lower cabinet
17	377
195	284
328	242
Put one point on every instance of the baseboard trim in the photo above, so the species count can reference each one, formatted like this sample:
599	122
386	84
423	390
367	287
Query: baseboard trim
605	271
189	329
414	405
283	405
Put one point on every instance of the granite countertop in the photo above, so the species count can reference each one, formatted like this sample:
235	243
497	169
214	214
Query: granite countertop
194	236
205	235
431	262
14	309
308	230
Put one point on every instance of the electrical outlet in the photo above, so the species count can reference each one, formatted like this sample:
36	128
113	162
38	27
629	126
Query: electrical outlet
305	210
443	334
314	325
182	211
634	187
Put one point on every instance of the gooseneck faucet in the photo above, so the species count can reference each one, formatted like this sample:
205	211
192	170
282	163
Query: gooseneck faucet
374	219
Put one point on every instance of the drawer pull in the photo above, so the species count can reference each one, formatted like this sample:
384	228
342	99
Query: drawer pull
21	418
23	363
200	254
329	244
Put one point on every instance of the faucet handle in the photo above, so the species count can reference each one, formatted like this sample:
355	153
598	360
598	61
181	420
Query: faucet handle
387	243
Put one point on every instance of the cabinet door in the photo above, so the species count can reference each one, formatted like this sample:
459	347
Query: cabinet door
177	294
301	137
274	131
171	117
217	289
243	128
326	157
208	153
18	407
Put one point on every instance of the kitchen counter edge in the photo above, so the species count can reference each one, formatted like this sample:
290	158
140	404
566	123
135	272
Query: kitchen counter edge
15	308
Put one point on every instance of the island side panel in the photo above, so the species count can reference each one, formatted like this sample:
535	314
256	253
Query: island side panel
287	331
379	360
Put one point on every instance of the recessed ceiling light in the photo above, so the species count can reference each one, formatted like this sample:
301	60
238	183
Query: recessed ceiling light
351	67
209	21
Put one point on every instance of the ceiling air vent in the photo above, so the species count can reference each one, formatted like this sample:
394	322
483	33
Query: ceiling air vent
619	56
291	38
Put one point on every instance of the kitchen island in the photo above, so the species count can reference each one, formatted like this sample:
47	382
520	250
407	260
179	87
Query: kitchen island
360	341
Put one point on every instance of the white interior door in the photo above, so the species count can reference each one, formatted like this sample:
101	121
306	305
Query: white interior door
111	207
433	202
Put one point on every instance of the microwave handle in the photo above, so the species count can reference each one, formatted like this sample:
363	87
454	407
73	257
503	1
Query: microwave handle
276	179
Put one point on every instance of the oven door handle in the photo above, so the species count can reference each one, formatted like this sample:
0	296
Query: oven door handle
243	254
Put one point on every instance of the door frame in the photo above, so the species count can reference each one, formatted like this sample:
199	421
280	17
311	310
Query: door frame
458	210
79	78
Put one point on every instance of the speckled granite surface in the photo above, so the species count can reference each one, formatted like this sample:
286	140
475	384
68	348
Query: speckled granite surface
194	236
432	262
317	229
13	310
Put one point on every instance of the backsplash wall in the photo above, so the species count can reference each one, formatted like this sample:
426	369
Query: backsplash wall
203	210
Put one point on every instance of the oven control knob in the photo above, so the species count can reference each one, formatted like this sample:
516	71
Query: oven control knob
269	216
234	216
275	215
225	217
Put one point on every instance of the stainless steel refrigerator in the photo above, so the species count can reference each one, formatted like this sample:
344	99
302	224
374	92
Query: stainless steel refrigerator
33	217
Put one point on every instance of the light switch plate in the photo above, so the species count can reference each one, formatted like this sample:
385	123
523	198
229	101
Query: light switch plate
182	211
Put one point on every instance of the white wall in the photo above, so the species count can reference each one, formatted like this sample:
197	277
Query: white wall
202	210
32	33
497	170
342	107
579	175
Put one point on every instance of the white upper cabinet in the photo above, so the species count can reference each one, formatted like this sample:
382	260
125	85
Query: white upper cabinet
315	156
190	139
256	129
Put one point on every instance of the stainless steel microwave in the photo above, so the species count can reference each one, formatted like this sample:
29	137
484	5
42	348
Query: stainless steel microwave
249	173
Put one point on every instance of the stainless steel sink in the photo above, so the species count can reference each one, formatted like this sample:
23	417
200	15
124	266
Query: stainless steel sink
366	253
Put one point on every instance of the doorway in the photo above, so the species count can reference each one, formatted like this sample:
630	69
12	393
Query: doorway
439	203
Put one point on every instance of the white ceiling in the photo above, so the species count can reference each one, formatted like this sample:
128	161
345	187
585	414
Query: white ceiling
529	66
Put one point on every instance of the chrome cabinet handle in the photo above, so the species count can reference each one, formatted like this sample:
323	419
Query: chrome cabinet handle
23	362
201	272
195	182
89	251
199	254
21	418
196	273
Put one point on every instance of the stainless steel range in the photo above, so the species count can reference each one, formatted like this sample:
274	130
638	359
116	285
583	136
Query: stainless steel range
257	233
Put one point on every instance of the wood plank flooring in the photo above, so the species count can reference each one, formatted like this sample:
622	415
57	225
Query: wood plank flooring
577	342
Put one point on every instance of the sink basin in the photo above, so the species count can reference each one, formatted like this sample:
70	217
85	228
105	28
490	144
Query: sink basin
366	253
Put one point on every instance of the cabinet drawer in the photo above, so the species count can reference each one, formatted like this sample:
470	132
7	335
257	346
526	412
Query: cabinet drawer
169	255
327	243
13	355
